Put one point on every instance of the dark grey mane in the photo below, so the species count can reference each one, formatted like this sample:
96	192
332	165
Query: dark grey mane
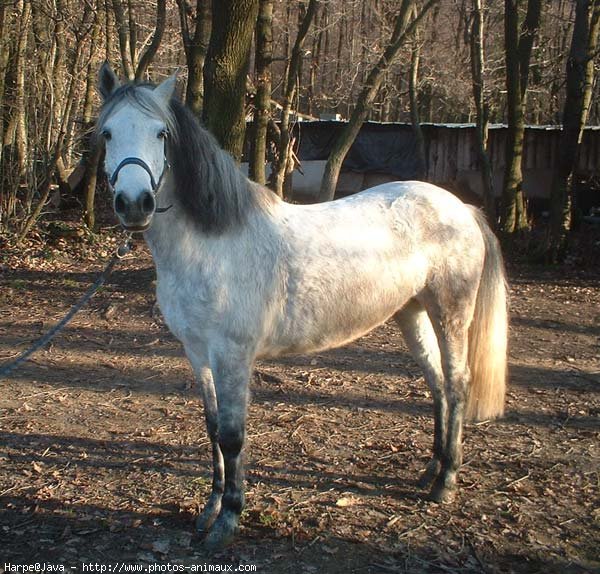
208	185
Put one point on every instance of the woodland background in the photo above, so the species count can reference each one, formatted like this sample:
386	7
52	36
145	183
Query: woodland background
271	61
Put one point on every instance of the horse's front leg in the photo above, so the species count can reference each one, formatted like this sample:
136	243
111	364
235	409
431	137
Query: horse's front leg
231	373
209	398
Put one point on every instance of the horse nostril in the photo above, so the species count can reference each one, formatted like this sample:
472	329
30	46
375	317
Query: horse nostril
120	204
147	203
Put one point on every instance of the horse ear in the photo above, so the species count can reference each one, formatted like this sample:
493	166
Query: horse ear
165	90
107	81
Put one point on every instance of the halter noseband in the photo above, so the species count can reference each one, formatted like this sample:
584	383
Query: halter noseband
153	183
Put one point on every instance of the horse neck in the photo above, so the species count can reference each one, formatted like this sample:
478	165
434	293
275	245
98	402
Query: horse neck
176	241
171	232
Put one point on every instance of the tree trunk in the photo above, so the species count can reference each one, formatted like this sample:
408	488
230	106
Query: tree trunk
403	28
5	23
413	91
195	46
262	101
132	27
481	110
16	129
108	36
46	187
580	81
337	82
282	167
150	52
124	39
518	46
91	157
315	59
89	188
324	85
225	72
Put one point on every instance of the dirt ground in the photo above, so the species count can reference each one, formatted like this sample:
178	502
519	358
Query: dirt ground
105	459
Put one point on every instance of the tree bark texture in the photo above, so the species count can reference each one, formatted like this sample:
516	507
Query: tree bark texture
225	72
262	100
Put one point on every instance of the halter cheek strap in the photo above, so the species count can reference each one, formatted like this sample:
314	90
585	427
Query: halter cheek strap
153	183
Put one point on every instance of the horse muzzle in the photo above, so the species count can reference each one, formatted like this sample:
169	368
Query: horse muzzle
135	214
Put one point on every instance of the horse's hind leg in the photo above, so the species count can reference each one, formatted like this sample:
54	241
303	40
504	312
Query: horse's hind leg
423	344
207	387
452	328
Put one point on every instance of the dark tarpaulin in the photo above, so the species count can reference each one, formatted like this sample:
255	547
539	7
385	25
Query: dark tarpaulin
384	148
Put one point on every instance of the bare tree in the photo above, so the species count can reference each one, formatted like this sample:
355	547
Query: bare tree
65	110
403	28
195	45
481	108
15	133
108	37
8	197
580	80
518	46
284	165
346	40
5	26
152	48
122	24
92	154
413	89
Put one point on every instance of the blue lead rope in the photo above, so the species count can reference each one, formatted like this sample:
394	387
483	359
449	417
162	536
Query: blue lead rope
100	280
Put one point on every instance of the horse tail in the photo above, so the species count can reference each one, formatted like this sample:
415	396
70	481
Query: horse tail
488	333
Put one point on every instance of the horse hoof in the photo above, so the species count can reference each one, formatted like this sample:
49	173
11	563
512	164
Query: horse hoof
429	474
207	517
204	521
222	533
442	494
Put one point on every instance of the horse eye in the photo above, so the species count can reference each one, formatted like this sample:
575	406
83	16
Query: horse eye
162	134
106	135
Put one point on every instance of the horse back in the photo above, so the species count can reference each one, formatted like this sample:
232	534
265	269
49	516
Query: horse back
349	265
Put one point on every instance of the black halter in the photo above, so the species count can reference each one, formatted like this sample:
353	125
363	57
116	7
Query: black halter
153	183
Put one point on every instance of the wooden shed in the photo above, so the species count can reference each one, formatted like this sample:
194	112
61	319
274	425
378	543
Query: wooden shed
386	152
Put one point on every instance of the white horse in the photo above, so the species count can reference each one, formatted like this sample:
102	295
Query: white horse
243	275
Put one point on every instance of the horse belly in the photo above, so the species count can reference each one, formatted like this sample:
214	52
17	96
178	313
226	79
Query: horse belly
332	309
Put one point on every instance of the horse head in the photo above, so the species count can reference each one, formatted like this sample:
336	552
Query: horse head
134	128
